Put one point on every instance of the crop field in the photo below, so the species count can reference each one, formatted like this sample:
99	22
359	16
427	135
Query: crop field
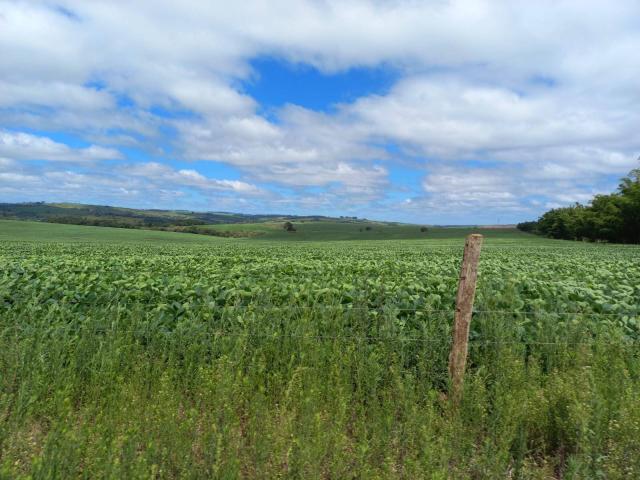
327	230
136	354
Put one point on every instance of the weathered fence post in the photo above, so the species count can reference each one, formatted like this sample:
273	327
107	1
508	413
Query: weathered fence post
464	308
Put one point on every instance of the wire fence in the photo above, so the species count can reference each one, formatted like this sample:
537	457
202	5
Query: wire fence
395	336
445	342
346	307
542	243
247	305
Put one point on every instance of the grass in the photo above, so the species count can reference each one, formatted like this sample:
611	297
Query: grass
320	231
136	354
336	231
25	231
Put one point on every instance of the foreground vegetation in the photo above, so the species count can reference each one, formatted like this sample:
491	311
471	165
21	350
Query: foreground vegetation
611	218
157	357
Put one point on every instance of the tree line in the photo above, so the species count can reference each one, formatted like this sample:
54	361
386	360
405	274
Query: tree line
607	218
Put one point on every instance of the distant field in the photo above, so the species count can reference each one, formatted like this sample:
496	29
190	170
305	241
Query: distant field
325	230
310	231
18	230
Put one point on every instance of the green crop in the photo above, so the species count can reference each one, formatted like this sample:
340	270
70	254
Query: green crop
316	360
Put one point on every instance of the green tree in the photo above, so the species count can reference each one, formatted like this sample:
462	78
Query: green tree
612	218
629	206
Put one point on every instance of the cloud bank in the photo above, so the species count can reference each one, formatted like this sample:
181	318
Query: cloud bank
497	109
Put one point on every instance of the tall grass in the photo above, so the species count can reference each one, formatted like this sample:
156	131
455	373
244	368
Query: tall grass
122	393
132	361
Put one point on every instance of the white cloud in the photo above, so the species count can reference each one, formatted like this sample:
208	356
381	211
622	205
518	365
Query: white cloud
546	91
53	95
18	178
353	179
188	178
472	188
448	117
486	193
6	163
24	146
147	184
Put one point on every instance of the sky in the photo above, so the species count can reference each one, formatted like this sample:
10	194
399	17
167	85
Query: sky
432	111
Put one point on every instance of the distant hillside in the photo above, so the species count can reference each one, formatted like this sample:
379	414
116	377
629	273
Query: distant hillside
106	216
236	225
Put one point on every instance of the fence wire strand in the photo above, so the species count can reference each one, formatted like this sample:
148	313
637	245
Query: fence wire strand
217	334
319	306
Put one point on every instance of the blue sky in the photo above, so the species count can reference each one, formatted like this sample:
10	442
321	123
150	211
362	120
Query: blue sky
277	82
465	111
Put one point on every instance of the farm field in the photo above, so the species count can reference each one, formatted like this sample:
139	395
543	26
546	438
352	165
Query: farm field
325	230
22	231
331	230
309	231
140	354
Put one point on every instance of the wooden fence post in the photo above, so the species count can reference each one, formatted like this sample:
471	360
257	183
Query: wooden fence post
464	309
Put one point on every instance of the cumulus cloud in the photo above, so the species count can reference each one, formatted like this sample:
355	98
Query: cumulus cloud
147	184
450	117
453	190
485	194
491	96
188	177
40	94
24	146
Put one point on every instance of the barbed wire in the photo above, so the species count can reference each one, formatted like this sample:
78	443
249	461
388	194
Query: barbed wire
301	275
369	338
485	247
360	282
319	306
357	277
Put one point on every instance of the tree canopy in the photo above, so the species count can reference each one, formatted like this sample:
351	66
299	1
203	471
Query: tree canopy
611	218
